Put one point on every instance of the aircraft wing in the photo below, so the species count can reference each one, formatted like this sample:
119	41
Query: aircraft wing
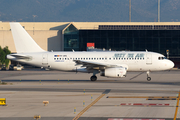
96	65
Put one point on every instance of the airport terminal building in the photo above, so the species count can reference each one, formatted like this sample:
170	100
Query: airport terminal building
130	36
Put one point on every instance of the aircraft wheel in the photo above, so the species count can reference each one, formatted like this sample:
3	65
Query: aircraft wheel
93	78
148	78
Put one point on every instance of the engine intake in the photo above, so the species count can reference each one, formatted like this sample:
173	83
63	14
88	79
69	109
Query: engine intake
114	72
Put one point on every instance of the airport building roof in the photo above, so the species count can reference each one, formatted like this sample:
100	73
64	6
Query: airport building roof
79	25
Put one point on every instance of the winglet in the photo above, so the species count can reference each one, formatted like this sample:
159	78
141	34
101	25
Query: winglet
22	40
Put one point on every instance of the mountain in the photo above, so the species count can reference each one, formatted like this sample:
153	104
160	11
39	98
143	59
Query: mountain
88	10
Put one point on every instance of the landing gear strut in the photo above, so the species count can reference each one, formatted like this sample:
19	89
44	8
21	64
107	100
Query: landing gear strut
93	78
148	76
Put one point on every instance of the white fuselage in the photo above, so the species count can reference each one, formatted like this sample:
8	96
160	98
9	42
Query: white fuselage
133	61
107	63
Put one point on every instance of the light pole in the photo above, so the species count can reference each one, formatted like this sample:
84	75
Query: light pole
129	10
167	52
34	17
158	10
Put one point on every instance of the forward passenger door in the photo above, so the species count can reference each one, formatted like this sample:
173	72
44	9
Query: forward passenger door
148	59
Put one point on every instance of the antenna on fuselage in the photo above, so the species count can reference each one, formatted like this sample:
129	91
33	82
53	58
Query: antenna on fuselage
146	50
73	50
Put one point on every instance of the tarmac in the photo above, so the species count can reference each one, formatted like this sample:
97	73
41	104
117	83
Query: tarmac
72	96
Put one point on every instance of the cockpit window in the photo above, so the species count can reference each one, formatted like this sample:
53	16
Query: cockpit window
161	58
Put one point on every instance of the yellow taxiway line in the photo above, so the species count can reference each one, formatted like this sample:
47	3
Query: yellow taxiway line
175	115
85	109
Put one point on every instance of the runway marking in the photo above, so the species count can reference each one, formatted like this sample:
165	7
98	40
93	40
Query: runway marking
144	104
132	119
148	97
136	76
175	115
161	99
87	94
132	106
106	91
85	109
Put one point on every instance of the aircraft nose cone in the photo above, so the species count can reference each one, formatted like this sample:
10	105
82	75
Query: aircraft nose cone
171	64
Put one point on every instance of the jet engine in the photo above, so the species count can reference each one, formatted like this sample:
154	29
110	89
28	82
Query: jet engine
117	72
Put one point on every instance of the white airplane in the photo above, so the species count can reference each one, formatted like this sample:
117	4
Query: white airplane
107	63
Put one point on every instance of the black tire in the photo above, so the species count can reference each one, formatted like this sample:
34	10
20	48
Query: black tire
93	78
148	78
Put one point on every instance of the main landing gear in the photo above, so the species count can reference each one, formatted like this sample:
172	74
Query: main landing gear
94	77
148	76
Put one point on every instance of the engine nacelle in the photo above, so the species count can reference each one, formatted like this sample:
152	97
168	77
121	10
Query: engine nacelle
114	72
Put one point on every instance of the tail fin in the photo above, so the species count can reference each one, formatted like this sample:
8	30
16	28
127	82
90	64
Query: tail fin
22	40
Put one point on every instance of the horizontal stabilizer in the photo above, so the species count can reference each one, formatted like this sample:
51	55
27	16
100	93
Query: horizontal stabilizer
19	57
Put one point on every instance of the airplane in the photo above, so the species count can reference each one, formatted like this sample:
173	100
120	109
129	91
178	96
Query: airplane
113	64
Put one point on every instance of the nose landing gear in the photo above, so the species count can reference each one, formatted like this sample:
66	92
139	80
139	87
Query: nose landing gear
148	76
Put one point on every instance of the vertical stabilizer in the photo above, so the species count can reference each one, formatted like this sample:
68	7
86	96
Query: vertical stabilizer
22	40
